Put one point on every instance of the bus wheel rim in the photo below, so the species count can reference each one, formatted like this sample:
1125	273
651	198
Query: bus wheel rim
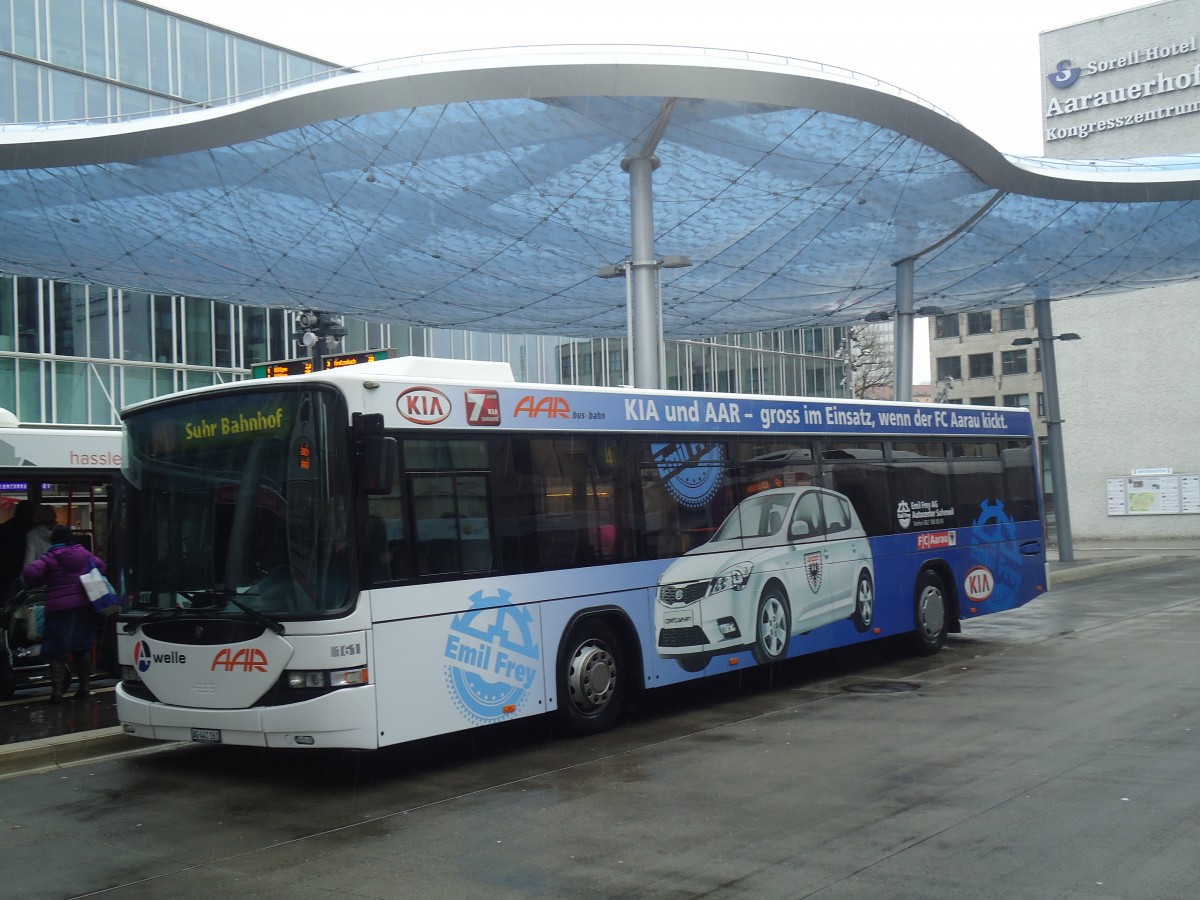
592	677
933	611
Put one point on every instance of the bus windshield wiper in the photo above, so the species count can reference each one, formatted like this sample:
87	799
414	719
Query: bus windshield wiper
132	625
275	625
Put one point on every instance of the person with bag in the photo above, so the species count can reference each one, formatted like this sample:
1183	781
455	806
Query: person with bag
70	625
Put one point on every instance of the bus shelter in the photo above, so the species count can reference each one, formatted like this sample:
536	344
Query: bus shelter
639	191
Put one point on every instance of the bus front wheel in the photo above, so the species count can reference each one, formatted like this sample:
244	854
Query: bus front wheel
930	615
592	678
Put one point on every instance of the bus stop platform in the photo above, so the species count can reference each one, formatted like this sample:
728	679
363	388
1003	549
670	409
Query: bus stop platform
36	735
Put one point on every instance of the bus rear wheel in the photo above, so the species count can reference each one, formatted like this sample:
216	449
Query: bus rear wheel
930	614
591	678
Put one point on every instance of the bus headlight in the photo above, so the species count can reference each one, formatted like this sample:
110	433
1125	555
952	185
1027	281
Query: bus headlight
326	678
732	579
130	673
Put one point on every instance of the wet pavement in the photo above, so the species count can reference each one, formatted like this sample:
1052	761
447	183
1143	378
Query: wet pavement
1047	752
30	716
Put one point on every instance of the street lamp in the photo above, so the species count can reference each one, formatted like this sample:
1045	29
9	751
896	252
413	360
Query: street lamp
1054	442
1026	341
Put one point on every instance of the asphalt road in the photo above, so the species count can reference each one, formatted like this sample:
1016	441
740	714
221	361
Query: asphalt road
1050	752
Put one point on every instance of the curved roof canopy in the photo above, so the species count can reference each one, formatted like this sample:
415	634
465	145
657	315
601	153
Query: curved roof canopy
485	192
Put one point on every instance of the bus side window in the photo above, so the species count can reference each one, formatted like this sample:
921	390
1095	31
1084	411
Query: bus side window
453	535
856	469
978	479
386	556
1020	480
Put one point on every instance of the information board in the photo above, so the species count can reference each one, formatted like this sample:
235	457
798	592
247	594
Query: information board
1153	495
284	367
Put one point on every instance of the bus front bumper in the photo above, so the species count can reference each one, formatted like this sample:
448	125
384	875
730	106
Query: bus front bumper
344	718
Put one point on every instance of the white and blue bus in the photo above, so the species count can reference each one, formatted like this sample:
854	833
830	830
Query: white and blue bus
407	548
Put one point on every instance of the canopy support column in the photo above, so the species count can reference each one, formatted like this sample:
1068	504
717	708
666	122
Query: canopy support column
903	367
645	319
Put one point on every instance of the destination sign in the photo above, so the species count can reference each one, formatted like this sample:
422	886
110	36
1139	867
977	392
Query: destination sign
284	367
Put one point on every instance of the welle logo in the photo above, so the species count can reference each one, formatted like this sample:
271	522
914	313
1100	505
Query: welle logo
143	658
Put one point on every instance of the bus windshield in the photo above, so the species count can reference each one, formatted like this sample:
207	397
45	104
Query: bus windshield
239	502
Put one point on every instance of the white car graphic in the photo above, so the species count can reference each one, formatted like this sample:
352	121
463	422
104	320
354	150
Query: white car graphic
784	562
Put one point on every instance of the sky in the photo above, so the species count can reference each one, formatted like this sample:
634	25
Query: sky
980	64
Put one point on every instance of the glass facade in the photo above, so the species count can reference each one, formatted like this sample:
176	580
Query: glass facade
90	59
77	353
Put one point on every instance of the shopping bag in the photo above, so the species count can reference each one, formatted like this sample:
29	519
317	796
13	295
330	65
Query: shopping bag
100	592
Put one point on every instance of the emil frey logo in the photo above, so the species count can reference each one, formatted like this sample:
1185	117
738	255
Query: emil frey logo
691	472
491	657
995	552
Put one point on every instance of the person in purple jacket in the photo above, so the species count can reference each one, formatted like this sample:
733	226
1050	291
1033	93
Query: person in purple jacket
70	626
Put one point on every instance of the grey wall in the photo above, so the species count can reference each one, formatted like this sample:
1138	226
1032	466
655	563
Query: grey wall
1130	396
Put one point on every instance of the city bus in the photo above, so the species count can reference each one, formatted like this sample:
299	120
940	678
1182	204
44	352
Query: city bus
407	548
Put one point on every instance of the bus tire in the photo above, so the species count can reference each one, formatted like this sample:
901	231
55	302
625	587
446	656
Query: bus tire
592	678
772	625
864	602
930	614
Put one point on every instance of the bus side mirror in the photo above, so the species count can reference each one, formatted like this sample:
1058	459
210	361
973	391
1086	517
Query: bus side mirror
377	468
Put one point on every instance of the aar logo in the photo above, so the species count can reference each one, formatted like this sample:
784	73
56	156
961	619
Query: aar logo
492	659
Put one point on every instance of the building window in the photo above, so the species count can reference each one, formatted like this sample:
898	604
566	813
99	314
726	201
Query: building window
983	401
979	322
949	367
1012	318
1014	362
945	326
1041	405
981	365
1021	400
1037	359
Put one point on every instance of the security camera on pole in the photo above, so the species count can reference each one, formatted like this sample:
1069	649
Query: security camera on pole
320	333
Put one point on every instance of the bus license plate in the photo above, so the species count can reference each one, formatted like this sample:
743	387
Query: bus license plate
207	735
